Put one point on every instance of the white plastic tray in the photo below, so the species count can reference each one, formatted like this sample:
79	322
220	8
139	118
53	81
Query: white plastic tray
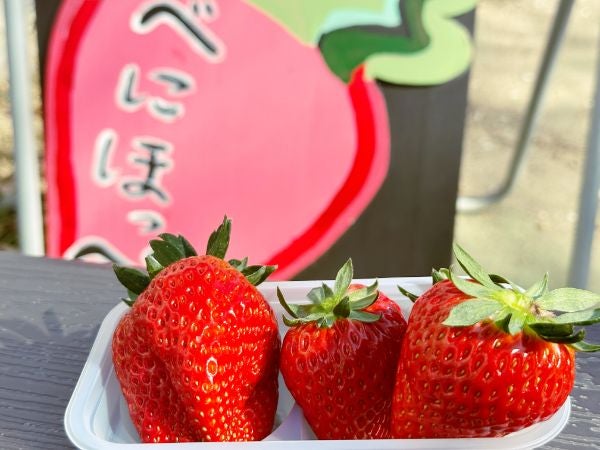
97	416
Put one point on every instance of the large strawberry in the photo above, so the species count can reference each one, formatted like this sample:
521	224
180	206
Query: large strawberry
483	357
339	358
197	354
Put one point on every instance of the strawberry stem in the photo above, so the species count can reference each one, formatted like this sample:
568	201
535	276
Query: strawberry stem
328	305
551	315
170	248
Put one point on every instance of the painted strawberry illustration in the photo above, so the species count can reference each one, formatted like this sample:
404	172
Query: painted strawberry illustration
483	357
226	98
197	355
152	104
339	358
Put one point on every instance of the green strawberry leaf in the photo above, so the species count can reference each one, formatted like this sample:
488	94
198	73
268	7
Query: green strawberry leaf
516	322
128	301
328	305
316	295
571	339
583	346
364	316
473	289
438	275
343	279
552	329
134	280
153	266
501	282
539	289
325	321
239	264
412	297
373	287
364	302
218	242
357	293
472	311
327	291
568	300
290	309
472	267
188	249
513	309
586	317
174	241
365	296
164	252
257	274
342	309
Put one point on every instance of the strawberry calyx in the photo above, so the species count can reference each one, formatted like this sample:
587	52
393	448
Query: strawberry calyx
550	314
328	305
170	248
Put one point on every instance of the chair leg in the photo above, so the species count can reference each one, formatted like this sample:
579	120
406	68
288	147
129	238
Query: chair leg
561	19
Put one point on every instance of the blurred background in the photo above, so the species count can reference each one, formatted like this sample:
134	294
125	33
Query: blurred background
532	230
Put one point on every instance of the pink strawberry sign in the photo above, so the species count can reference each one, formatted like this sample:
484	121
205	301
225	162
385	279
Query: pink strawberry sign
167	115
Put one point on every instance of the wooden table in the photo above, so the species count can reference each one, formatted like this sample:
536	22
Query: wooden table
50	311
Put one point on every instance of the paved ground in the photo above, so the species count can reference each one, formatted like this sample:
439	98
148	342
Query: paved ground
531	231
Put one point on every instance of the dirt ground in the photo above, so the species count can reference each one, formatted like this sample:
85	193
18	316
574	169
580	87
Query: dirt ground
532	230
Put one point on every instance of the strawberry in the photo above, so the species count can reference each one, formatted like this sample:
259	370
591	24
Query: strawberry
483	357
339	357
197	355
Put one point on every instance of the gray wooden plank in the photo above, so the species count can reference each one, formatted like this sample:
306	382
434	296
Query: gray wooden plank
49	315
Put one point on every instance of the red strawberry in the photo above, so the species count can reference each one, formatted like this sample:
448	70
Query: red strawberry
486	358
339	358
197	355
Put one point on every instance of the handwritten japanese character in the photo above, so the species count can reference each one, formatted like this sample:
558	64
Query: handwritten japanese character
188	23
148	221
104	147
153	168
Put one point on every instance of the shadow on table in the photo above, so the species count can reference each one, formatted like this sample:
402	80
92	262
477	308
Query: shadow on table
30	332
